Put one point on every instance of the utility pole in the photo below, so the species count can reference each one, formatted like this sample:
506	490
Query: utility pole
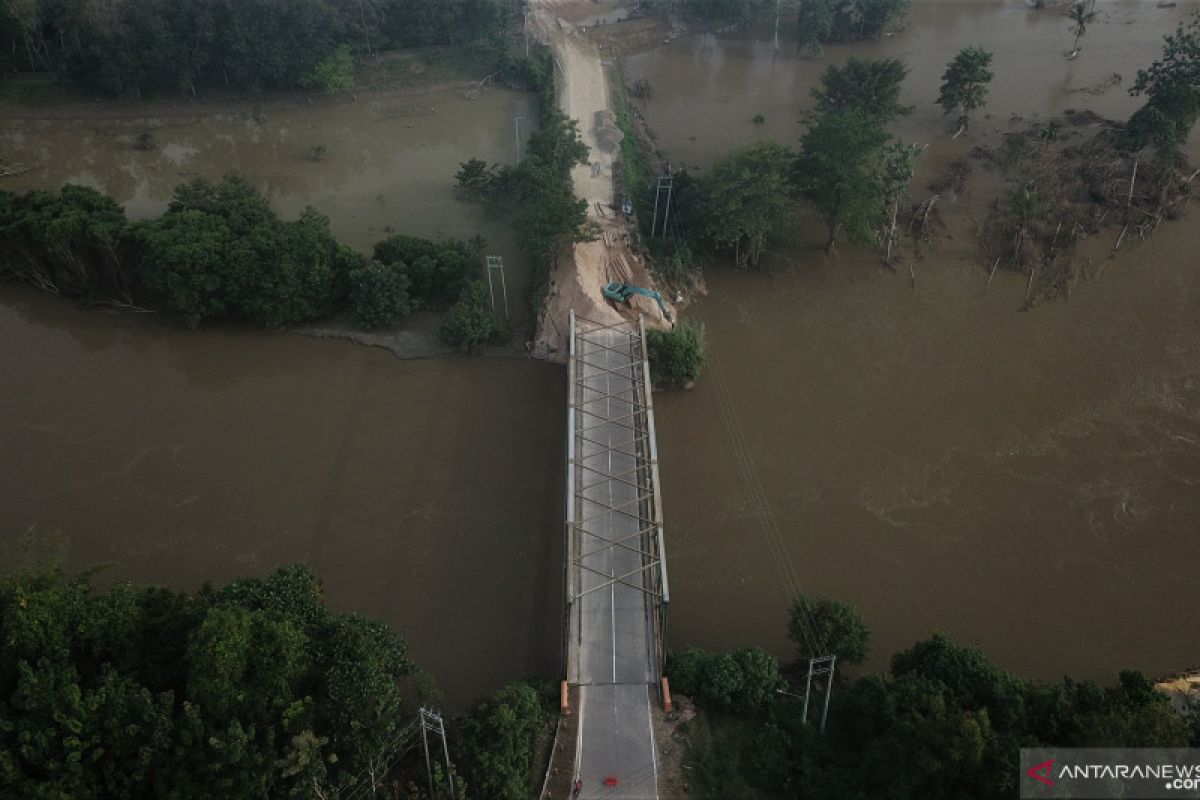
517	137
665	183
496	264
817	667
527	33
778	4
432	723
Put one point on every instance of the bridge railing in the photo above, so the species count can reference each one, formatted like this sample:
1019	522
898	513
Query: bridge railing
652	577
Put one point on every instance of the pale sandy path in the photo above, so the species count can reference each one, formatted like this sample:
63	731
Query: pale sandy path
578	277
585	92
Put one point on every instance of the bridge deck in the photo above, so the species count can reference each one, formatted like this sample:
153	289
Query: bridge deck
616	576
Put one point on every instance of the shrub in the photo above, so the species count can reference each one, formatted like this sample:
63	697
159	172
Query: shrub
745	678
676	356
471	321
379	295
822	623
437	270
220	250
496	744
335	73
67	242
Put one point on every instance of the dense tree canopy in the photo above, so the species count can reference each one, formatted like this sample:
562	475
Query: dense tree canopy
254	690
945	723
436	270
127	46
870	85
471	321
1171	86
822	626
677	355
965	83
748	194
496	743
548	216
69	242
823	21
221	251
837	172
379	295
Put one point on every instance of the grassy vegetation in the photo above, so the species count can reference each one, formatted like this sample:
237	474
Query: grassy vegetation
38	92
637	169
426	66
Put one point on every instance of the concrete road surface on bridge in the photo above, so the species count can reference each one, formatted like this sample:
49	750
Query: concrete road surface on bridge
614	656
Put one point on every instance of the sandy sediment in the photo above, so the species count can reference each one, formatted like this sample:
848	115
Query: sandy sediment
578	277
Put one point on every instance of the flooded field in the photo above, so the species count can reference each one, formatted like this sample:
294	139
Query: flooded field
389	165
179	457
1027	480
1030	481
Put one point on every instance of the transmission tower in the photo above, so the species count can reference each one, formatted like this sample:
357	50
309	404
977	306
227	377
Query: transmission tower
665	183
431	722
496	264
816	668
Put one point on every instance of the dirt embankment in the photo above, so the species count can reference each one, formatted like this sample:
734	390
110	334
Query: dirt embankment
578	277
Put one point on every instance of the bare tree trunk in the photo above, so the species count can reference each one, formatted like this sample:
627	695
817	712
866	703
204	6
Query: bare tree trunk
1133	179
992	274
892	231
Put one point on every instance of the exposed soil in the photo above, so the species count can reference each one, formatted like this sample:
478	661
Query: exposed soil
579	276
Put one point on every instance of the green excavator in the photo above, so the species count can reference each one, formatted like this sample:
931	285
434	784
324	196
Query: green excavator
621	292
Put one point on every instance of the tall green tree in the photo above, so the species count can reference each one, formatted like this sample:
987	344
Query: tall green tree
869	85
255	690
221	251
822	21
677	355
836	174
1081	16
965	84
822	626
496	744
1171	85
895	173
69	242
747	195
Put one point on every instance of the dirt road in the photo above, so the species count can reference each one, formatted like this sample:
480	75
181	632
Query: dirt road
578	278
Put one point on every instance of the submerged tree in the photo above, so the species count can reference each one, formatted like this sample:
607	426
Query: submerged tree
1172	89
747	195
822	626
1081	16
870	85
823	21
836	174
965	84
895	173
677	355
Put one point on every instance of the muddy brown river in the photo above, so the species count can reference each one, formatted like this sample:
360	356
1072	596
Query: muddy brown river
179	456
1030	481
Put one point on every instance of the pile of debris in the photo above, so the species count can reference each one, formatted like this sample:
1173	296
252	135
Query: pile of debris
608	135
1065	194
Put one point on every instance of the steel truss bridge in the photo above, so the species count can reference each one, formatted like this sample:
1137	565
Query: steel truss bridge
616	570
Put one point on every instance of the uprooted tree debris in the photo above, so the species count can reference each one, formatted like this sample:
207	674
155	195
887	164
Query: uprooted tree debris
1062	194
